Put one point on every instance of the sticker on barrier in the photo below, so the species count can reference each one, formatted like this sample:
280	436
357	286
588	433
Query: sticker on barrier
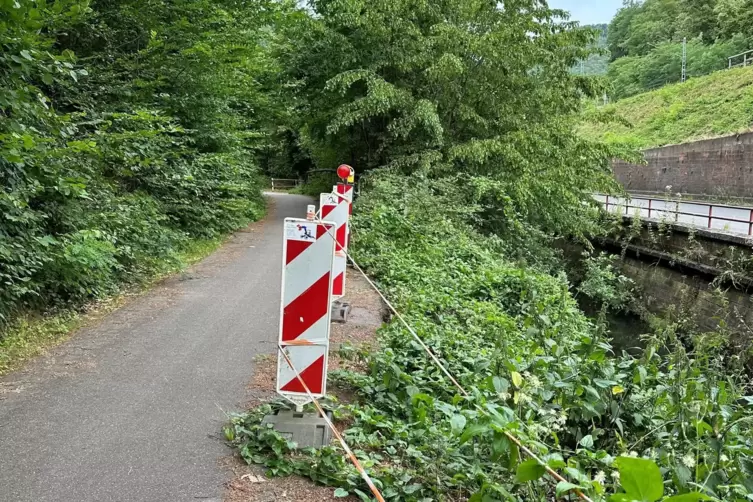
335	209
307	259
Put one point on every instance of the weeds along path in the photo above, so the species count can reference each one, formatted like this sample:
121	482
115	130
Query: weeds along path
130	409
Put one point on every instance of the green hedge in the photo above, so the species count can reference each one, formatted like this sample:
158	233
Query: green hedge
111	165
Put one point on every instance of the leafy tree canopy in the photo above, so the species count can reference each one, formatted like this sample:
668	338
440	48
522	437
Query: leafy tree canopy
127	130
475	90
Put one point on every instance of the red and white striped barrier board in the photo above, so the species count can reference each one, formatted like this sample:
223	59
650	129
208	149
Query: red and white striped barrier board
307	257
335	209
346	191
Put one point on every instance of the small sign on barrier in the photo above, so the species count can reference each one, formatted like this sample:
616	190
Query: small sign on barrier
307	259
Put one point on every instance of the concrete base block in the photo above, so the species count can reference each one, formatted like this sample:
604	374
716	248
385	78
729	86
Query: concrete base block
340	311
308	430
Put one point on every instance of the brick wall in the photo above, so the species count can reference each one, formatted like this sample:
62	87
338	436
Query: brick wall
719	166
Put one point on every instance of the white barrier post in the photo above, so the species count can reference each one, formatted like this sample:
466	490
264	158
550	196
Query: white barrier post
345	189
307	257
335	209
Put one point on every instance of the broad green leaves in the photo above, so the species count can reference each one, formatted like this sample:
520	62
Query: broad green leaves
530	470
517	379
587	441
500	384
457	422
643	482
563	488
472	431
640	478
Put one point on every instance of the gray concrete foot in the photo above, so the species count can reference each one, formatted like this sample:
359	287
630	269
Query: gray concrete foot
308	430
340	311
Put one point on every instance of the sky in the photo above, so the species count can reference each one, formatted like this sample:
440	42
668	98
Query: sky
588	11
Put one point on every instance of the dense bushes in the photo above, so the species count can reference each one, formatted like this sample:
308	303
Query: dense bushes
390	82
533	364
110	164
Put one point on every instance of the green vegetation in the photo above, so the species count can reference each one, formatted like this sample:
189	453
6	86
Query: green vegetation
533	365
596	64
131	131
645	41
128	131
472	166
714	105
317	183
27	337
388	83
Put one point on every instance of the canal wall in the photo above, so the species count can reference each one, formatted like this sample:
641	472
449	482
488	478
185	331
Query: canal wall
720	167
682	272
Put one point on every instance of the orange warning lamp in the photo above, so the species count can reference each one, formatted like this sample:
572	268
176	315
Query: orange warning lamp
344	171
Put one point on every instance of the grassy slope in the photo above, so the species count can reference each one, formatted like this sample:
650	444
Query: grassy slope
703	107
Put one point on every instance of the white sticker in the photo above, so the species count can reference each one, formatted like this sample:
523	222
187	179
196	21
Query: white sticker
299	231
327	199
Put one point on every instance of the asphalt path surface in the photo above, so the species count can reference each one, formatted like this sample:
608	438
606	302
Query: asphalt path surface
131	409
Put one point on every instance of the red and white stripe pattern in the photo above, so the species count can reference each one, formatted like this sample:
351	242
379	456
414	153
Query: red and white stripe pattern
335	209
346	191
308	252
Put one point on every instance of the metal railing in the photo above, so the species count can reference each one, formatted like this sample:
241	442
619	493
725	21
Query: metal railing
721	217
747	59
284	183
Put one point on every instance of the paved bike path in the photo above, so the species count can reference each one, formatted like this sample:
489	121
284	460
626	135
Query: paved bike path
131	408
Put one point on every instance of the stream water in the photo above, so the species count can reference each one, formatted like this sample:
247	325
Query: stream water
625	329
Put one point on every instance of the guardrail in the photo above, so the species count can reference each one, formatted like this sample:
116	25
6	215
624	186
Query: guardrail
732	219
745	59
284	183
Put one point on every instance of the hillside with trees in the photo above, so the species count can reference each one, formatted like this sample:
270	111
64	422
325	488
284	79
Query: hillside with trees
598	63
645	40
